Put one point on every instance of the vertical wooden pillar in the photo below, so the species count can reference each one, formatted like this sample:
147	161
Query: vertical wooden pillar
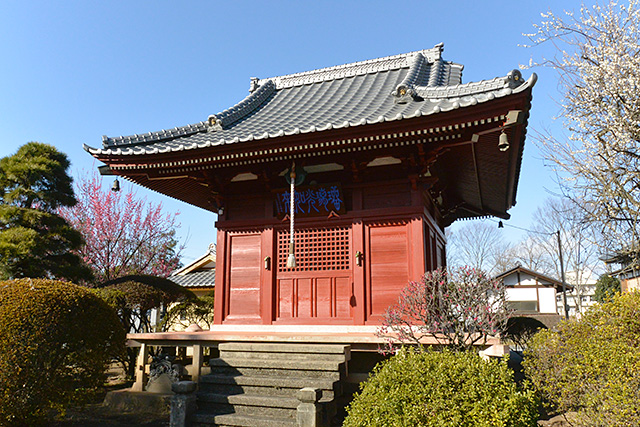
197	362
357	245
141	366
221	268
417	251
270	264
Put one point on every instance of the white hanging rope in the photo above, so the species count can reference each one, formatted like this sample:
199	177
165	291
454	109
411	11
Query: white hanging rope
291	260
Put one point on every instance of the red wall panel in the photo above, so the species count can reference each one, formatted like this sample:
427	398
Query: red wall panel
315	298
244	277
388	266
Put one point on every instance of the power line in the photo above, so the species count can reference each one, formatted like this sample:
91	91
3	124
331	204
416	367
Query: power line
502	224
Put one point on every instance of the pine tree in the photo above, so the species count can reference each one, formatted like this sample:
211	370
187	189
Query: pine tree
34	240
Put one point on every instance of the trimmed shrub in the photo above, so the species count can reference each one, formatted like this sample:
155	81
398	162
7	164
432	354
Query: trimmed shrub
441	389
592	366
56	340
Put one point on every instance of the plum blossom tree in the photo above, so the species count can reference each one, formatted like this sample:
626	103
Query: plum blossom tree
598	64
457	308
124	234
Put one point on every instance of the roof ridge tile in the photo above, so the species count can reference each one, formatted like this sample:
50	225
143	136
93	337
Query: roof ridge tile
227	117
368	66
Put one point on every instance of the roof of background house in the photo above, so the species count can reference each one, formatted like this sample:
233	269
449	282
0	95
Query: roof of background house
200	273
379	90
196	279
554	282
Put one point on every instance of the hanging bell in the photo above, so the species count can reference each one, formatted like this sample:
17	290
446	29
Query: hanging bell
503	142
116	186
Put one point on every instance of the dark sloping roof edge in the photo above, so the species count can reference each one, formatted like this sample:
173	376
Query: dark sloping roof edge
426	85
196	279
555	282
458	96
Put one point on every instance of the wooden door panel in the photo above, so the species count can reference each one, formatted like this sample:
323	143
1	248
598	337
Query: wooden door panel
388	266
315	299
343	291
244	276
320	289
325	300
285	299
305	301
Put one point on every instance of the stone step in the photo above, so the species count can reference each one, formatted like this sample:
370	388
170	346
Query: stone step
269	355
257	384
221	368
267	385
248	404
269	381
285	348
284	364
237	420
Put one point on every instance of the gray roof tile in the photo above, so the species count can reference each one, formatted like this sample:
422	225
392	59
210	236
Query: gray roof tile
384	89
203	278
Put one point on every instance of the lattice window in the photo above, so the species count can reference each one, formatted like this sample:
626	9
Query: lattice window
316	249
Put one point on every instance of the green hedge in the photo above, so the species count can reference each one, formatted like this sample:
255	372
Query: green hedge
441	389
592	366
56	339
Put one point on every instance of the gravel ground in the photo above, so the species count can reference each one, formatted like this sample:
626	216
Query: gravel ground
96	415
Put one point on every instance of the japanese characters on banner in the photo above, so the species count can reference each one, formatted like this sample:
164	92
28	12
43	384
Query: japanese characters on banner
316	200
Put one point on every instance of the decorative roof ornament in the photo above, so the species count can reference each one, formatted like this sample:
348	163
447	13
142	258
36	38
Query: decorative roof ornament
254	84
405	91
213	123
404	94
513	79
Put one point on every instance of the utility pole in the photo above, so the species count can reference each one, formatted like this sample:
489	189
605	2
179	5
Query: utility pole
564	283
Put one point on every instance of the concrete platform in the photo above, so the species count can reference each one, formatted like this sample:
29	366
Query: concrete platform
358	337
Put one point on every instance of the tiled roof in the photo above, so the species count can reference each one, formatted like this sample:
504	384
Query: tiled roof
374	91
555	282
205	278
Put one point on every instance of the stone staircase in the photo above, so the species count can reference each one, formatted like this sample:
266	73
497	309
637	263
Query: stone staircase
256	384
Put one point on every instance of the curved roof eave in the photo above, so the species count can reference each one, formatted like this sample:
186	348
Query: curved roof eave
447	98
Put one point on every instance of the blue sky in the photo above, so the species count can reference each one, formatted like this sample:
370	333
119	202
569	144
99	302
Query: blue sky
76	70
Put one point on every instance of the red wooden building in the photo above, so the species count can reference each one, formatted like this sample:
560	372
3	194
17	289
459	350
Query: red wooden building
391	150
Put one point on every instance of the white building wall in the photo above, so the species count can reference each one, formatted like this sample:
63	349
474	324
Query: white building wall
547	300
522	294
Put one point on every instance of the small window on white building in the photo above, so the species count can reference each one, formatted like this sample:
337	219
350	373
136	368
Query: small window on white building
523	306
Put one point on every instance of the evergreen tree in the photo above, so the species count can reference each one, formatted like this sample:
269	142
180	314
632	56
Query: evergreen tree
606	288
34	240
